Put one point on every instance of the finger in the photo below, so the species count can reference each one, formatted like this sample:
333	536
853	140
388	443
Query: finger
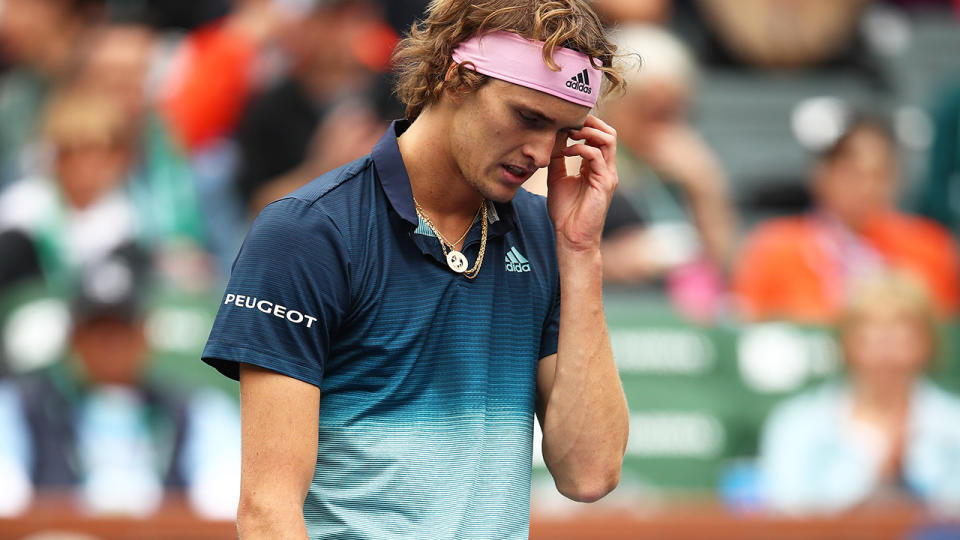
558	165
606	142
594	122
592	157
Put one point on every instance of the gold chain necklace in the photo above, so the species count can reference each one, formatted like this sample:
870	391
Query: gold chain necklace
422	213
456	260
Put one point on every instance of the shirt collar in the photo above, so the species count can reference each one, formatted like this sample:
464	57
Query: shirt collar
393	173
396	182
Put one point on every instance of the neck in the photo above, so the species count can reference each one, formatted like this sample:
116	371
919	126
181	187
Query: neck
435	179
883	399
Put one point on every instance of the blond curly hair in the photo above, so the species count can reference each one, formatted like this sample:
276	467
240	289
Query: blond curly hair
423	57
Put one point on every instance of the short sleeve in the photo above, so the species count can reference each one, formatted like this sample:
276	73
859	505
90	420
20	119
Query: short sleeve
550	334
287	294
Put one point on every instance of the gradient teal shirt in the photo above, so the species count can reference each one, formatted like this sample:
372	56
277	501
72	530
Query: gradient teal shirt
427	378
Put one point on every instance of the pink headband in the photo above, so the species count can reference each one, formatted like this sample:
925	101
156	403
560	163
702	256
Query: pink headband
509	57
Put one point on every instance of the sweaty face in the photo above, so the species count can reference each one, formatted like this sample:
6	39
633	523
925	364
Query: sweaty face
502	133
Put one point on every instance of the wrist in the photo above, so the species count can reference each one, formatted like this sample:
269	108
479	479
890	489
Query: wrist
580	259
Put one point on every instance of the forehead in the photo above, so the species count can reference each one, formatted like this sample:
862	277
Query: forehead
564	113
866	143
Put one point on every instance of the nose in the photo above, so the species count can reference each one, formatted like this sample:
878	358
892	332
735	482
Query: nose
540	149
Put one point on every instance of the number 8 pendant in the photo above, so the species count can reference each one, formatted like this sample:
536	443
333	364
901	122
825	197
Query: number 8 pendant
457	261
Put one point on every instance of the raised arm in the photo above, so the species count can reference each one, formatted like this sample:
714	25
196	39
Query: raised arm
581	404
279	416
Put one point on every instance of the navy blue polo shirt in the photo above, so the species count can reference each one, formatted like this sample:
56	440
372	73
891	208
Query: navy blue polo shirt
427	378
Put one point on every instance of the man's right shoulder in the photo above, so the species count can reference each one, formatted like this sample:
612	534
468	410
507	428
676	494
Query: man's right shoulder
329	186
329	200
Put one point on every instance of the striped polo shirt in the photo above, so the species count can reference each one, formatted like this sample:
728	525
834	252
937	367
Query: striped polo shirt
427	378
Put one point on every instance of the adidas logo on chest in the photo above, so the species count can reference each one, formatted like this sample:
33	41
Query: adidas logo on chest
516	262
581	82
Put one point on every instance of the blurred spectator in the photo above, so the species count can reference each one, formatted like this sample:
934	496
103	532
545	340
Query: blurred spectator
783	33
883	432
940	198
182	97
634	11
41	40
79	214
97	424
88	204
669	174
318	118
115	68
212	73
801	268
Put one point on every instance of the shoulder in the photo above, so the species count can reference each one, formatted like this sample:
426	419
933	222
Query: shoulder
905	233
938	404
311	221
322	199
327	190
926	227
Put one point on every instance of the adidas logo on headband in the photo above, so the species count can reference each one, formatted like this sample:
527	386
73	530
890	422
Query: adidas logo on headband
581	82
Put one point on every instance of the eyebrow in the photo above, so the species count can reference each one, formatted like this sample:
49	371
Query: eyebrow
545	118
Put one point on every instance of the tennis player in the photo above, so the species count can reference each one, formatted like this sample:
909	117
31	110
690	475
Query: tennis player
396	323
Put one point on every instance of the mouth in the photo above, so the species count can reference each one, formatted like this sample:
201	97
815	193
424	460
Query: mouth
515	174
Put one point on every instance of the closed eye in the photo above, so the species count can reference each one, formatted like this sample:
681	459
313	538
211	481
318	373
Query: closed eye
528	119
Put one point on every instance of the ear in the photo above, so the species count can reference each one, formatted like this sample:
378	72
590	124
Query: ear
450	88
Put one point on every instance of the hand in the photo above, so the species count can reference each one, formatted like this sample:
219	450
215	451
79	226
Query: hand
578	203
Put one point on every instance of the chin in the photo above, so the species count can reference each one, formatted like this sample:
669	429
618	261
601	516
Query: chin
504	194
496	191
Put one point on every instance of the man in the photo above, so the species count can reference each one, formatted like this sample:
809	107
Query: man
391	348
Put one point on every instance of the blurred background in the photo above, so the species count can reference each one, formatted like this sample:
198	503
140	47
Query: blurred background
783	280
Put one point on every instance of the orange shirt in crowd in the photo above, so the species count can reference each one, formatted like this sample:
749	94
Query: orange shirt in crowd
790	268
211	82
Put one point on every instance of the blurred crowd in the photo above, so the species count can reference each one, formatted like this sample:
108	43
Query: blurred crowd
138	138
